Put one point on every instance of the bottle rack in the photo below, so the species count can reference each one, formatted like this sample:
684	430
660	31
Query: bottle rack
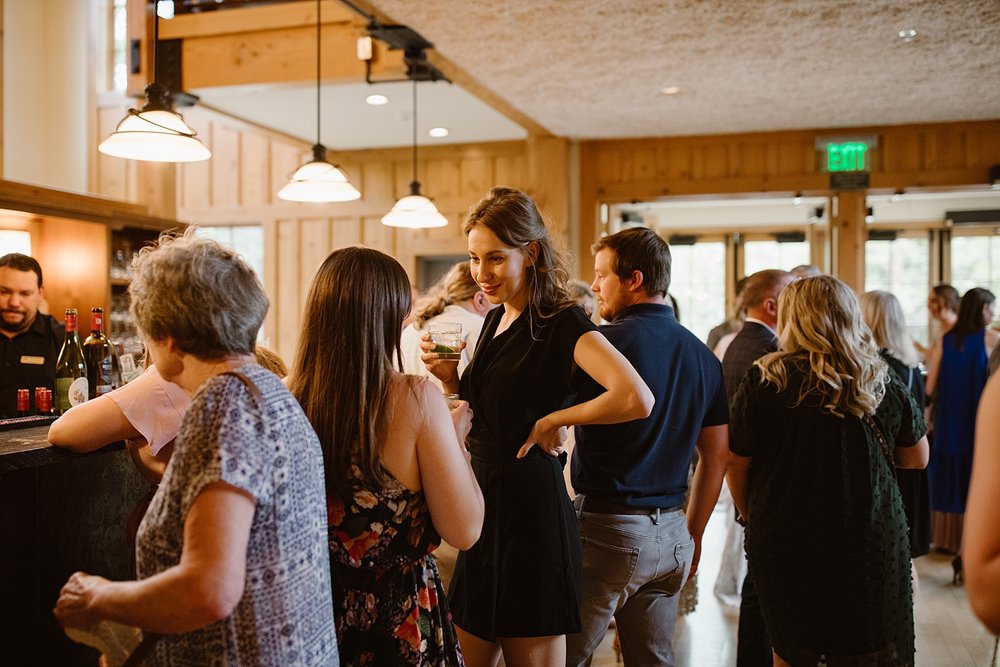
125	245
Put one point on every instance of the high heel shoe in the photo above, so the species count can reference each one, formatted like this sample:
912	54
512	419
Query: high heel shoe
956	566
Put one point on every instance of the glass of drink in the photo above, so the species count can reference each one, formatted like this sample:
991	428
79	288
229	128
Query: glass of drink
447	339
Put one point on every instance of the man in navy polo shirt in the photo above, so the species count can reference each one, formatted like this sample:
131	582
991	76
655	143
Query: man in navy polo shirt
639	546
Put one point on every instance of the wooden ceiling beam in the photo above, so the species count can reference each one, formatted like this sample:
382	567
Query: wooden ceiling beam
254	19
276	44
281	56
268	44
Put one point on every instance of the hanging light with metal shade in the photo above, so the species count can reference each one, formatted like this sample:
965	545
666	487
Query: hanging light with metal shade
414	211
156	133
318	180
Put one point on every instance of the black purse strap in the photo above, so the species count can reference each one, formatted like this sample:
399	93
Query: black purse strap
882	441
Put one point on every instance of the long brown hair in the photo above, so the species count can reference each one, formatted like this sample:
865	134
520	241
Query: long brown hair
350	336
820	327
514	219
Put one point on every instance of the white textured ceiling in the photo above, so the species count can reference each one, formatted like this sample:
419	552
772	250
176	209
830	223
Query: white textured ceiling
594	68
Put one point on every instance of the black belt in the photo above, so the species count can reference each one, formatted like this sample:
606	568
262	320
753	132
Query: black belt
598	506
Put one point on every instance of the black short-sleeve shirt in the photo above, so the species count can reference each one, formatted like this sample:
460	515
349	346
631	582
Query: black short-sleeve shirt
29	361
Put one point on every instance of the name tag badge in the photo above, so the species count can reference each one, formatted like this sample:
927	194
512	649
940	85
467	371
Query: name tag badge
32	361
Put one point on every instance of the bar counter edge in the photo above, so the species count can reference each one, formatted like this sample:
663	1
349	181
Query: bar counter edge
59	512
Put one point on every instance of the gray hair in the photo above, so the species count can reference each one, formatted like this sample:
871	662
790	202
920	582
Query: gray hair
198	292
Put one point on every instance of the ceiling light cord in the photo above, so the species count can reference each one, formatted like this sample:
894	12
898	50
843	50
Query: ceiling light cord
319	60
415	185
156	40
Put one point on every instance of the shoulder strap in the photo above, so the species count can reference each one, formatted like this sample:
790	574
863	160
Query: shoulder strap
250	385
883	443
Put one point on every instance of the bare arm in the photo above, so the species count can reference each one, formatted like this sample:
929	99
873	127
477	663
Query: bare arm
453	495
713	460
981	550
90	426
738	478
916	456
933	367
990	340
627	396
203	588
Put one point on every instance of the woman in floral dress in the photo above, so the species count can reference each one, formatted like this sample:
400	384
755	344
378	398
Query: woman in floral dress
397	474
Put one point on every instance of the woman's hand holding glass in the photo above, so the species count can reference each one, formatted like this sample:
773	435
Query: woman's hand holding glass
443	368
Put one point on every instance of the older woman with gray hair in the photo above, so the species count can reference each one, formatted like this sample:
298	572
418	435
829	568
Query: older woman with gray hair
232	559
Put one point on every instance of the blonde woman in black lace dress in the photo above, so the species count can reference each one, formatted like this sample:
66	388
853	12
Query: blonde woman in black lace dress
816	430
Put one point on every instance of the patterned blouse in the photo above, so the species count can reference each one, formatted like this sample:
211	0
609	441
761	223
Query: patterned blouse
265	446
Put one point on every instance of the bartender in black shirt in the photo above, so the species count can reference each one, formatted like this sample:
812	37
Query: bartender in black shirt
31	341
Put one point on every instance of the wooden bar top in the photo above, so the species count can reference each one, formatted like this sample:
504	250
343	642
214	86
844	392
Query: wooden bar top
25	448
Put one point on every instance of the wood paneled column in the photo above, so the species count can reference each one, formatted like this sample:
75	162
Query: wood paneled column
851	234
549	181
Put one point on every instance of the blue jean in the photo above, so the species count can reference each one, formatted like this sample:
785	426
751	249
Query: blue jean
633	568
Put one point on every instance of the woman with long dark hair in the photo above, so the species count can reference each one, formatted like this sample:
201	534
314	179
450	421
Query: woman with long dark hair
956	375
518	589
397	477
816	431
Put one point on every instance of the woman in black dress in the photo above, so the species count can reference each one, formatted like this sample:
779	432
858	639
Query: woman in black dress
517	590
815	431
884	316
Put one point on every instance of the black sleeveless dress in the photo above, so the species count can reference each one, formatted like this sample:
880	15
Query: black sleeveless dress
523	577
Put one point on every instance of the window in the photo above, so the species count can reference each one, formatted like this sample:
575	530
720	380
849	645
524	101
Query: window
975	262
698	282
760	255
248	241
902	266
119	40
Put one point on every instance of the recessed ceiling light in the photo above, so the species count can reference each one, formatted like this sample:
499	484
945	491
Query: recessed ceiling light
671	90
438	132
376	100
908	34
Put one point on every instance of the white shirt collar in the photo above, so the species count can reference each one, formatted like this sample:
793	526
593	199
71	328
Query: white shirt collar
763	324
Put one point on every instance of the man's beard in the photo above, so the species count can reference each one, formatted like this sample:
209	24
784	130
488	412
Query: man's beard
13	327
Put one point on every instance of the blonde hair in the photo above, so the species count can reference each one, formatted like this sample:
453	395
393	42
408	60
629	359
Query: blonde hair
270	360
820	326
884	316
455	286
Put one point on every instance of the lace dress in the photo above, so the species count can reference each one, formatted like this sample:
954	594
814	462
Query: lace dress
389	604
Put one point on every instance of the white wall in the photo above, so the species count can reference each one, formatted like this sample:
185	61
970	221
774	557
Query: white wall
45	92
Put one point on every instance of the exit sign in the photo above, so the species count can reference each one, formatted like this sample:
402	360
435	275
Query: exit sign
846	156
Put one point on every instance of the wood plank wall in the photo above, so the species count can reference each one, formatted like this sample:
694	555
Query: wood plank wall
249	165
908	156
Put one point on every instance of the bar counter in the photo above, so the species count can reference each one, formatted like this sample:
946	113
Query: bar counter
59	512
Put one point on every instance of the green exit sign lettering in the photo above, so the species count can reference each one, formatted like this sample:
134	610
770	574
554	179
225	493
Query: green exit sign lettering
846	156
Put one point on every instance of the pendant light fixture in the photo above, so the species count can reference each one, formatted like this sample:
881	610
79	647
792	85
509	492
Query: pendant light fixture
157	133
414	210
318	180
